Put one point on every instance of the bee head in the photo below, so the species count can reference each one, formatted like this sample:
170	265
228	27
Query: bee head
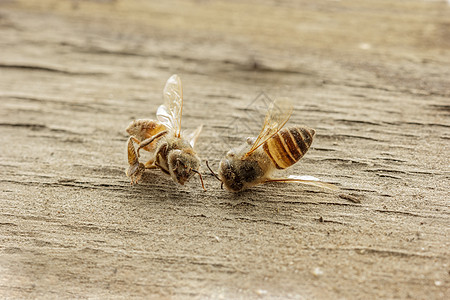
182	165
238	174
229	175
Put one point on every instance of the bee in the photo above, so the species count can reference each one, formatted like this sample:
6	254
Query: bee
275	148
171	151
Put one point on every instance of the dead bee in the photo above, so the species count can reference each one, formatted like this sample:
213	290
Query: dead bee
171	152
275	148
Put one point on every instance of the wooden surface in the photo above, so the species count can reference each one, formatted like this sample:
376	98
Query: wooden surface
371	77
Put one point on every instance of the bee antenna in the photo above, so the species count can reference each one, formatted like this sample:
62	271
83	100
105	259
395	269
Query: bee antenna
201	178
212	172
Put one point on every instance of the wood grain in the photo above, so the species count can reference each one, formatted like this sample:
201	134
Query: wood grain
371	77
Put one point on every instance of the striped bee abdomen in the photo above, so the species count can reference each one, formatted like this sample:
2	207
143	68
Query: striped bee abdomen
289	145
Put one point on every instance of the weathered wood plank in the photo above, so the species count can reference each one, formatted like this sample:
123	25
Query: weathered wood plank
370	77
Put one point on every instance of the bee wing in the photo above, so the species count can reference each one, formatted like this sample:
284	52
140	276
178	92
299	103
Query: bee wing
193	136
277	115
310	180
169	113
165	117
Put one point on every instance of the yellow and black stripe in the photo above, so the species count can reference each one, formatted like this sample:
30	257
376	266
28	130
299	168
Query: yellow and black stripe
288	145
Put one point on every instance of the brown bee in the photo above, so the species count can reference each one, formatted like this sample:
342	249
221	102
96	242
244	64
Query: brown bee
171	151
275	148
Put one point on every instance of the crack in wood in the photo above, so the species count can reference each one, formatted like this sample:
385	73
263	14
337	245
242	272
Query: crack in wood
48	69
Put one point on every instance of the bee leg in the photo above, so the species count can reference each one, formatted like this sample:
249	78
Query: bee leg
150	140
134	139
136	169
151	164
304	181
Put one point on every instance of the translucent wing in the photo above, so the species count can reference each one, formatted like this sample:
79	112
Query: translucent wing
170	112
310	180
277	115
193	136
165	117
